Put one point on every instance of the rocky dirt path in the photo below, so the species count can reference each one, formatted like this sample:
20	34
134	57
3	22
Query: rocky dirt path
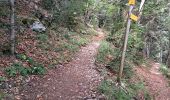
155	82
76	80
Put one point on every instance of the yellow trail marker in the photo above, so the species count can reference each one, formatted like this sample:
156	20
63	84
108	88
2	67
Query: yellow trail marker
131	2
134	17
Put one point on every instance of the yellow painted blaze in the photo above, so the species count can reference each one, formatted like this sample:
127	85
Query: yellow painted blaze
131	2
134	17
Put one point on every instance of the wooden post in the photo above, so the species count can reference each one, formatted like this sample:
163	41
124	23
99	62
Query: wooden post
12	38
125	46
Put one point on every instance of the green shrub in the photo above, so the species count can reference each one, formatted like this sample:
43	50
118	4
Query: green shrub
82	42
79	42
74	41
111	91
115	64
129	92
25	71
18	69
30	60
48	4
21	56
104	50
11	71
164	70
128	71
38	70
70	47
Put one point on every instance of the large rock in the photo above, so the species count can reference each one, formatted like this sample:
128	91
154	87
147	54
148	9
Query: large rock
38	26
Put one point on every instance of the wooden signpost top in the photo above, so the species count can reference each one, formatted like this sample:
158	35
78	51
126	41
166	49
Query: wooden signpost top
132	2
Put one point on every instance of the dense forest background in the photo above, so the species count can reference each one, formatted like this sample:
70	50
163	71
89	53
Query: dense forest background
38	35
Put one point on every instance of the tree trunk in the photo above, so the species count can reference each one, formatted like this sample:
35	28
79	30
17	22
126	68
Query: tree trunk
12	38
168	60
161	55
148	50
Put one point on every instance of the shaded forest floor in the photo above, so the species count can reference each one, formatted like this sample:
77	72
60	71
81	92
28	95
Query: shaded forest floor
73	81
155	82
78	79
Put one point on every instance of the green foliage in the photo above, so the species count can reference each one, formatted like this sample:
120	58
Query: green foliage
104	51
11	71
110	90
115	38
21	56
14	70
67	36
30	60
42	37
165	70
115	64
82	41
70	47
18	69
65	12
48	4
38	70
2	78
137	86
79	42
121	95
135	38
71	22
110	57
151	7
135	43
24	71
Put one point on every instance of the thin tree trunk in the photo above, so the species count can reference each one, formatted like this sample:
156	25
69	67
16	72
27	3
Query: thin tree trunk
145	47
168	59
161	55
12	38
148	50
124	46
104	23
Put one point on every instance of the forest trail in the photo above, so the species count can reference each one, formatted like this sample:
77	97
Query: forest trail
155	82
76	80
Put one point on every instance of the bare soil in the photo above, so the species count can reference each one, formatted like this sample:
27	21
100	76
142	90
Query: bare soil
77	80
155	82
